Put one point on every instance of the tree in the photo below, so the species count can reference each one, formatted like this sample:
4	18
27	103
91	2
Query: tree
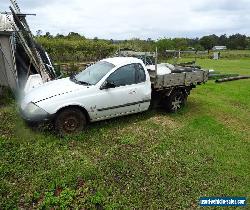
48	35
208	42
237	41
193	42
180	43
149	40
59	36
223	40
74	35
198	47
39	33
248	42
165	44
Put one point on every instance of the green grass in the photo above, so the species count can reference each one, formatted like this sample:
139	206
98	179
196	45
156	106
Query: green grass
241	66
227	54
152	160
227	66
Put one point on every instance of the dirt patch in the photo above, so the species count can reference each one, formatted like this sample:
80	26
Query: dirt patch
233	123
58	191
165	121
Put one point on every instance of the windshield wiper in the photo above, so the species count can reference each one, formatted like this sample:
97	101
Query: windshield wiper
73	78
83	83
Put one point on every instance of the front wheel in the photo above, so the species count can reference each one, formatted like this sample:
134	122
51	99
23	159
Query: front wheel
175	101
70	121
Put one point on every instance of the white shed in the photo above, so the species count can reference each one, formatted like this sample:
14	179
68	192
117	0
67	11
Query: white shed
219	48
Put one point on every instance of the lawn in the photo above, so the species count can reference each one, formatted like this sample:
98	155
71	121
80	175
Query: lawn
227	54
152	160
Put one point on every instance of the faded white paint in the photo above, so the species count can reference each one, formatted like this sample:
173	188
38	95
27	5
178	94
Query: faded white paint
55	95
33	81
106	103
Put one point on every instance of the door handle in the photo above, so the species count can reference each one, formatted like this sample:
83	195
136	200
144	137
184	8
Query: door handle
132	92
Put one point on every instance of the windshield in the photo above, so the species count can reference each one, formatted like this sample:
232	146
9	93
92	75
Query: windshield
93	74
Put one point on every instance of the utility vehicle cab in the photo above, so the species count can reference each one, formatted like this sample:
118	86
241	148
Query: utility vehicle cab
109	88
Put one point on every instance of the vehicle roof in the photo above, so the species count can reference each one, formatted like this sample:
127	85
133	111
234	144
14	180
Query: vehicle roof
119	61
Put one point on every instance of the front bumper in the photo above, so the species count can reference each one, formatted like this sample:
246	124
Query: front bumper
35	118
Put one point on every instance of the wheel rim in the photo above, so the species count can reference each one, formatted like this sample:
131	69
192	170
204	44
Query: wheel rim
176	103
70	124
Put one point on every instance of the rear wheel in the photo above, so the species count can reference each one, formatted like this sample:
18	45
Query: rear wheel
175	101
70	121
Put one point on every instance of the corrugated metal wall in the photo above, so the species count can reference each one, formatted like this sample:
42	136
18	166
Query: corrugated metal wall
8	75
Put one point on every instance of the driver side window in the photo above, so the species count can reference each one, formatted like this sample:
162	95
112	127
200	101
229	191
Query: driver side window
123	76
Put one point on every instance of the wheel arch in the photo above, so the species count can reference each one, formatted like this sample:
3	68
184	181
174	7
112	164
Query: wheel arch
82	109
185	90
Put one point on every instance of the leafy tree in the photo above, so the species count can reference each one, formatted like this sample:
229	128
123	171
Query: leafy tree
76	48
208	42
39	32
58	36
198	47
193	42
180	43
149	40
237	41
223	40
248	42
48	35
165	44
73	35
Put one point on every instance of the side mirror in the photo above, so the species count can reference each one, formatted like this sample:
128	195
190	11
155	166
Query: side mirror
108	85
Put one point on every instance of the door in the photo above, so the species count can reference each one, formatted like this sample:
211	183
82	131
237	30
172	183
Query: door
123	98
143	87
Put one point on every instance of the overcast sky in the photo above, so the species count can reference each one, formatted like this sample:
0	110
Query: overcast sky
125	19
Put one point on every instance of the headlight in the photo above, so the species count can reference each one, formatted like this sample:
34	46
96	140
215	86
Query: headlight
32	110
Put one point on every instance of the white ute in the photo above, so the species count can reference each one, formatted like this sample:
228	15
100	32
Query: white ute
109	88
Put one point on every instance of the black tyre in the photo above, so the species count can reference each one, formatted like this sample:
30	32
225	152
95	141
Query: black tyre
175	101
70	121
